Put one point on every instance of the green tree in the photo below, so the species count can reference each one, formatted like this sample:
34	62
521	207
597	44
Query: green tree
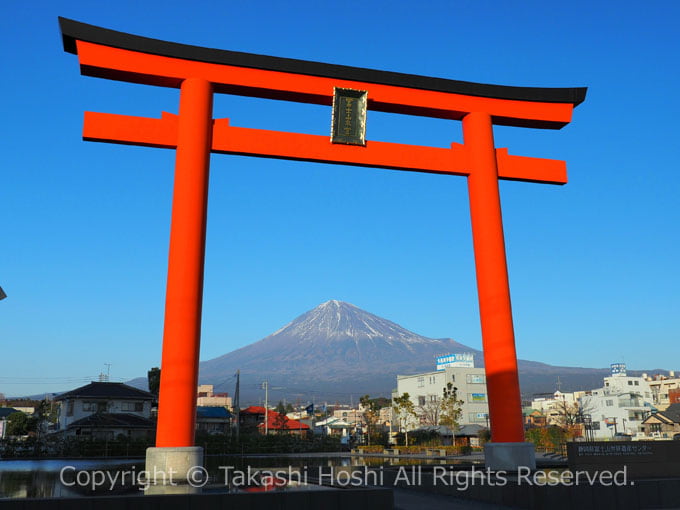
405	411
154	378
281	408
451	407
371	414
20	424
280	421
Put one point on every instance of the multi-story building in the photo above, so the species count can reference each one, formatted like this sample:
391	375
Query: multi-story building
351	416
426	391
206	397
663	388
620	406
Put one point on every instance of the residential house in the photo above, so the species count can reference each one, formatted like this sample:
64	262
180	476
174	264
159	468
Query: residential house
560	409
251	417
333	426
105	410
4	414
280	424
533	417
663	424
212	419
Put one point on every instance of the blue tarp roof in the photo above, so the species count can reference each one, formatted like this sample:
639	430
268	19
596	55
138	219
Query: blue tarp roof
212	412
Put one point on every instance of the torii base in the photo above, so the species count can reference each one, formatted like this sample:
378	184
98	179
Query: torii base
174	466
509	456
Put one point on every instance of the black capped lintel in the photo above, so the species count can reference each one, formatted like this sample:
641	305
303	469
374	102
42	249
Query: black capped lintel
73	31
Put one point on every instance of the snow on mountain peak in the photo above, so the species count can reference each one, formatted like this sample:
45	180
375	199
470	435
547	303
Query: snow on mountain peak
339	320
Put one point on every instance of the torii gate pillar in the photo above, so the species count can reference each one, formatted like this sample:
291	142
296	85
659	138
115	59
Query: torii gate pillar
184	292
507	449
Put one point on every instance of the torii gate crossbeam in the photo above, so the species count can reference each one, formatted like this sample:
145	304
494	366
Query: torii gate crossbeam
201	72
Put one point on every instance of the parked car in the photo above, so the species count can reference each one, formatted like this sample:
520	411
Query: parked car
622	436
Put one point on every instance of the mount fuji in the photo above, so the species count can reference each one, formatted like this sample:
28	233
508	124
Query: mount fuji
338	352
333	351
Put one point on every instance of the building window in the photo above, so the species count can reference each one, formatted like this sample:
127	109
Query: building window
433	379
421	382
69	408
136	407
610	403
421	401
433	398
630	383
94	407
475	379
477	417
476	398
453	377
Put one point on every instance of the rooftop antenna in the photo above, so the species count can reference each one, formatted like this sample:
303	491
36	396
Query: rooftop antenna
108	371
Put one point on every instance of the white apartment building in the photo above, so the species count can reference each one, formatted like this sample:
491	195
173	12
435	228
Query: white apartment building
661	386
620	406
426	391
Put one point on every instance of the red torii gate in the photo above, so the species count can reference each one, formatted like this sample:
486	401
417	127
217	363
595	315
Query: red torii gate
199	72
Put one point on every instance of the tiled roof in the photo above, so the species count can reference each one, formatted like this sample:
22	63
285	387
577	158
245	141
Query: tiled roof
6	411
113	420
469	430
106	390
274	422
672	412
253	410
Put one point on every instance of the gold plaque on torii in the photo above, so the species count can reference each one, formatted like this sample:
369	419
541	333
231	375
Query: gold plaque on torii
348	123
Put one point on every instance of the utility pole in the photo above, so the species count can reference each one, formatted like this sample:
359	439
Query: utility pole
237	396
265	387
108	371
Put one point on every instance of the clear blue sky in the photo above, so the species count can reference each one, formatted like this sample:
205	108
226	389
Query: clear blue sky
593	265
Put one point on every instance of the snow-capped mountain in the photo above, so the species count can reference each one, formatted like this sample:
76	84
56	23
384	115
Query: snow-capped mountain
338	321
337	351
334	348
